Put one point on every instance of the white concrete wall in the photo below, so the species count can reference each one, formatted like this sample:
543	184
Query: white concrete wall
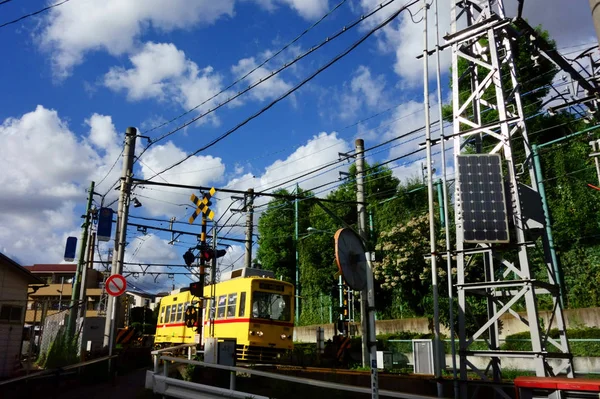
13	291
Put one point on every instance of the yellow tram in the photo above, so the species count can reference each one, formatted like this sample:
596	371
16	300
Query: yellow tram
250	306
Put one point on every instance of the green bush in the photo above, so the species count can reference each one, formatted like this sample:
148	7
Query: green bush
62	352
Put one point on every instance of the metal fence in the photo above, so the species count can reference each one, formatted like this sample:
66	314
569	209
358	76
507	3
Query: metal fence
27	330
159	381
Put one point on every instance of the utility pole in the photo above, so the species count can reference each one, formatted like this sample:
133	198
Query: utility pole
120	234
73	312
249	226
367	303
88	262
213	278
437	354
296	231
362	221
595	146
595	6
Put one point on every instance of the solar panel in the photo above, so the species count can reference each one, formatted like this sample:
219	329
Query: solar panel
481	190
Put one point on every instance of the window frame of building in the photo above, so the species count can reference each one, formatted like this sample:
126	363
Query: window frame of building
10	317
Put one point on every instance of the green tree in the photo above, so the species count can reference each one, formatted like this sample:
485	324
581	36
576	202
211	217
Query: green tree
276	234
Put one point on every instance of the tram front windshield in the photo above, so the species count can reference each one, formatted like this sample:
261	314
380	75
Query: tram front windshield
266	305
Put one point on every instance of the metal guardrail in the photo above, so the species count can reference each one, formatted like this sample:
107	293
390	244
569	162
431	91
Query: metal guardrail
60	370
162	384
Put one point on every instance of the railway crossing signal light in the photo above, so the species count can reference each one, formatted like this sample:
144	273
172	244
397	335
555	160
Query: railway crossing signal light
209	254
191	316
197	289
188	258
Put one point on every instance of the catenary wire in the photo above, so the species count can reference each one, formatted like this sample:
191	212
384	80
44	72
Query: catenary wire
292	90
261	64
14	21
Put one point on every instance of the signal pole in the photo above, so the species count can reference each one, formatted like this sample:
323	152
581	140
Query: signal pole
362	222
367	304
120	232
249	226
74	311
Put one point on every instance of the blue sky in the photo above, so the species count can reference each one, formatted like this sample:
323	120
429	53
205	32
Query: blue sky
74	78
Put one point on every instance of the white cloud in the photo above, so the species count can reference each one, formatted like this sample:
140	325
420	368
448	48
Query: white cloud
566	28
152	66
405	38
321	149
161	70
114	26
46	169
364	90
309	9
202	170
146	249
269	89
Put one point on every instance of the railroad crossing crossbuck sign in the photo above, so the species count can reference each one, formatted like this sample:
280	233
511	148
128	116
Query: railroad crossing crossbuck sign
116	285
202	205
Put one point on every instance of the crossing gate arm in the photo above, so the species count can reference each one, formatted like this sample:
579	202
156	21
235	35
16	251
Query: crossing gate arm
556	387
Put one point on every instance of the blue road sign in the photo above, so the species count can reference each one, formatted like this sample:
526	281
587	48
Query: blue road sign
70	249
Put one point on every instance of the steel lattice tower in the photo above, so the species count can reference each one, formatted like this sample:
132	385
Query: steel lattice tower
481	39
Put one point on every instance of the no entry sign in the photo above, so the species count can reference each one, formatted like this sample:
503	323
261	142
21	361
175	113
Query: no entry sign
116	285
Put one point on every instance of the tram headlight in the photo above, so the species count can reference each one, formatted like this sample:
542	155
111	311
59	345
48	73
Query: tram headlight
283	336
259	333
251	332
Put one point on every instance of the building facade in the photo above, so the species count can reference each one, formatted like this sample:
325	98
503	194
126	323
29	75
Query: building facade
55	297
14	285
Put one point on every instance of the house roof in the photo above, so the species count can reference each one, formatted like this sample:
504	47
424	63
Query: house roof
52	268
52	290
31	279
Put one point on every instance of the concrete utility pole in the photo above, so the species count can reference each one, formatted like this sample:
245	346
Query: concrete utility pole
367	303
73	312
437	354
249	226
595	6
362	231
120	232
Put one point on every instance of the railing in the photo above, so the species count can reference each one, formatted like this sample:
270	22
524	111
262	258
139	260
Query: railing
162	384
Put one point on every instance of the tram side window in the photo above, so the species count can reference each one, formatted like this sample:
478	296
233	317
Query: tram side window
179	311
242	304
221	306
168	313
162	314
173	312
231	302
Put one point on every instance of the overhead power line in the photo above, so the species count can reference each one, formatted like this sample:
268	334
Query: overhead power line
14	21
292	90
269	76
260	65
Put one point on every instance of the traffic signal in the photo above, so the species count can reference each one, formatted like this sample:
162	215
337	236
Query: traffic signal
188	258
197	289
209	254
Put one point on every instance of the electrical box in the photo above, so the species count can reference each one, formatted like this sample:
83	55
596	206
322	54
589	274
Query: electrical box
320	340
211	347
220	351
423	356
384	360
